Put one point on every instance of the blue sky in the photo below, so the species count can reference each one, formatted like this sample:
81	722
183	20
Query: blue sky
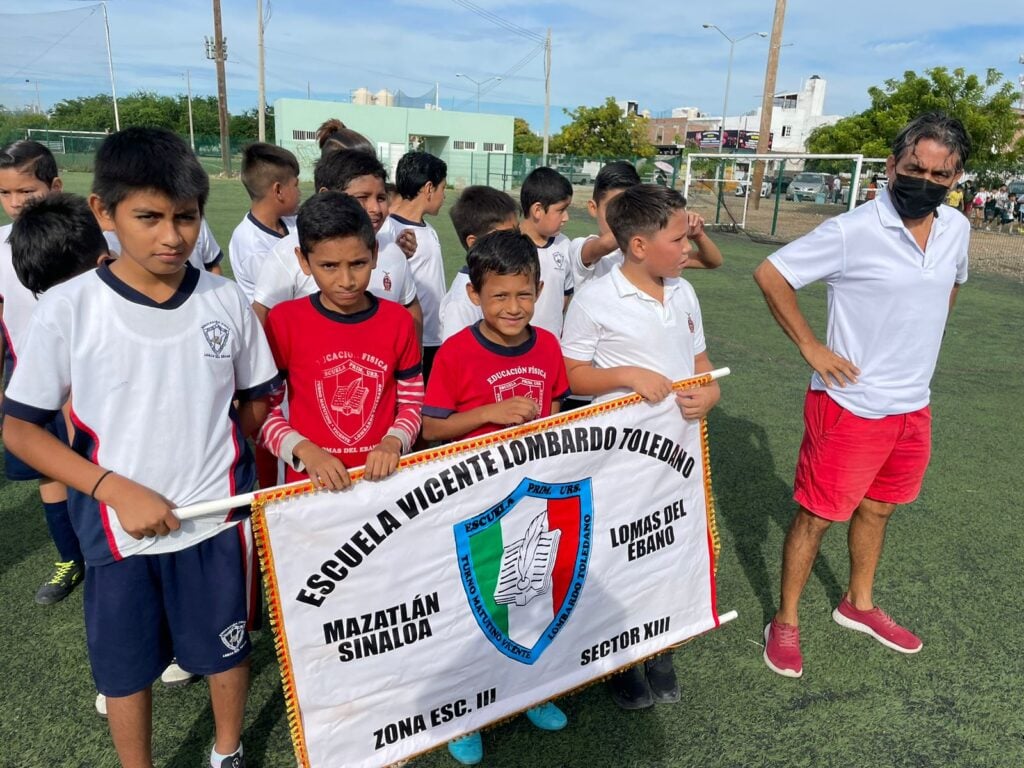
656	53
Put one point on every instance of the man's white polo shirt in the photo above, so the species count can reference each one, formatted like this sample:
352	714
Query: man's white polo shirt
887	299
612	323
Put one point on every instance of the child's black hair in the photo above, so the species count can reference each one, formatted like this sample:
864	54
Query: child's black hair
417	168
332	214
479	210
642	210
30	157
545	186
619	174
54	239
264	165
506	252
137	159
336	170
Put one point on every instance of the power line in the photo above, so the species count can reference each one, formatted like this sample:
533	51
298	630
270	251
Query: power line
499	21
511	70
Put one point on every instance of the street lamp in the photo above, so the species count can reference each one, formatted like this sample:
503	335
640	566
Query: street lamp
39	104
477	83
728	75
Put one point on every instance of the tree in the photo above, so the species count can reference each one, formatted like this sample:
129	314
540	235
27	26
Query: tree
985	106
603	131
524	140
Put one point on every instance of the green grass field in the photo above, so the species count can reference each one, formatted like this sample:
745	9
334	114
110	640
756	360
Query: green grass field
951	571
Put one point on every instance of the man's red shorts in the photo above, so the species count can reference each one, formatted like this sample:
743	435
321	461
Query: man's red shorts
845	458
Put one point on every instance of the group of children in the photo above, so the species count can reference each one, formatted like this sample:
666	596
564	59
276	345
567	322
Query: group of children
161	373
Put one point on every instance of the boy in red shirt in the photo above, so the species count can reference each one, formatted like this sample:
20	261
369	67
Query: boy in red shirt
352	361
496	373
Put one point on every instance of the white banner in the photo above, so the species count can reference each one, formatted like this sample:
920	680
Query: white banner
486	577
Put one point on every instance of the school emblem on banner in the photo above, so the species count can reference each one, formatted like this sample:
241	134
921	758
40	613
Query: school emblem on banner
347	395
524	562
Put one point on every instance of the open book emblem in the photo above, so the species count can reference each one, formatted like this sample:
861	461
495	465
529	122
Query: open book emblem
347	395
523	563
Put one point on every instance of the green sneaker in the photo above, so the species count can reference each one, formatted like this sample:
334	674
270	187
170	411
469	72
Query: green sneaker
65	578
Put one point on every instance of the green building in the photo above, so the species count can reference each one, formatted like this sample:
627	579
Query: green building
476	147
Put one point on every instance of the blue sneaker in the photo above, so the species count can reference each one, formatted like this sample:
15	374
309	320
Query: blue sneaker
469	750
547	717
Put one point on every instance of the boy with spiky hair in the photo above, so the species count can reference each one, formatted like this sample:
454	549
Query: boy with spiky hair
270	174
157	353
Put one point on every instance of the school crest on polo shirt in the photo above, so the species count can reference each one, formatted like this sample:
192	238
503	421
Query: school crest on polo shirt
348	395
689	322
521	386
523	563
216	334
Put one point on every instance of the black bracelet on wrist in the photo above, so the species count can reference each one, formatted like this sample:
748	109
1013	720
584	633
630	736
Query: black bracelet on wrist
92	494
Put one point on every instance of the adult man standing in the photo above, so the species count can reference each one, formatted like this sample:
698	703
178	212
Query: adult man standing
893	267
837	189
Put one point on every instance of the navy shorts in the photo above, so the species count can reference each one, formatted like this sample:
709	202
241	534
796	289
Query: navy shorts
192	605
16	469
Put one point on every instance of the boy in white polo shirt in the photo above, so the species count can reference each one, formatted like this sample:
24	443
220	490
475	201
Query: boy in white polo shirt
638	329
270	174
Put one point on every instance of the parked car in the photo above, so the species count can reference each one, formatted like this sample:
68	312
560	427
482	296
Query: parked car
807	186
575	175
1016	187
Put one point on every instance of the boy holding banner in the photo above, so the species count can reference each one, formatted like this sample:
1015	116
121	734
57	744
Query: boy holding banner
352	361
638	329
498	372
157	353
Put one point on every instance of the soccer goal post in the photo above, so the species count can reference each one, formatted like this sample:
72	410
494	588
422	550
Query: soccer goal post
719	187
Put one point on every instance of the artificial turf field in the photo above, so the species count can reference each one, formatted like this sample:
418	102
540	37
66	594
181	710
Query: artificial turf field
951	572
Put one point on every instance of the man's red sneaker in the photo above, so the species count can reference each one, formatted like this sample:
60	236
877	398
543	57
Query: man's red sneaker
782	649
878	624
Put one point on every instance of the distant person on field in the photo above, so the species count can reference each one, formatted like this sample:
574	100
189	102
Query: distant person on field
270	175
479	211
837	189
28	171
421	180
475	366
893	268
170	370
955	198
638	329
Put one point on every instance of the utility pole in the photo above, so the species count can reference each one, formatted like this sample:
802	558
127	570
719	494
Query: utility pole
218	51
191	125
768	99
547	96
110	67
262	83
